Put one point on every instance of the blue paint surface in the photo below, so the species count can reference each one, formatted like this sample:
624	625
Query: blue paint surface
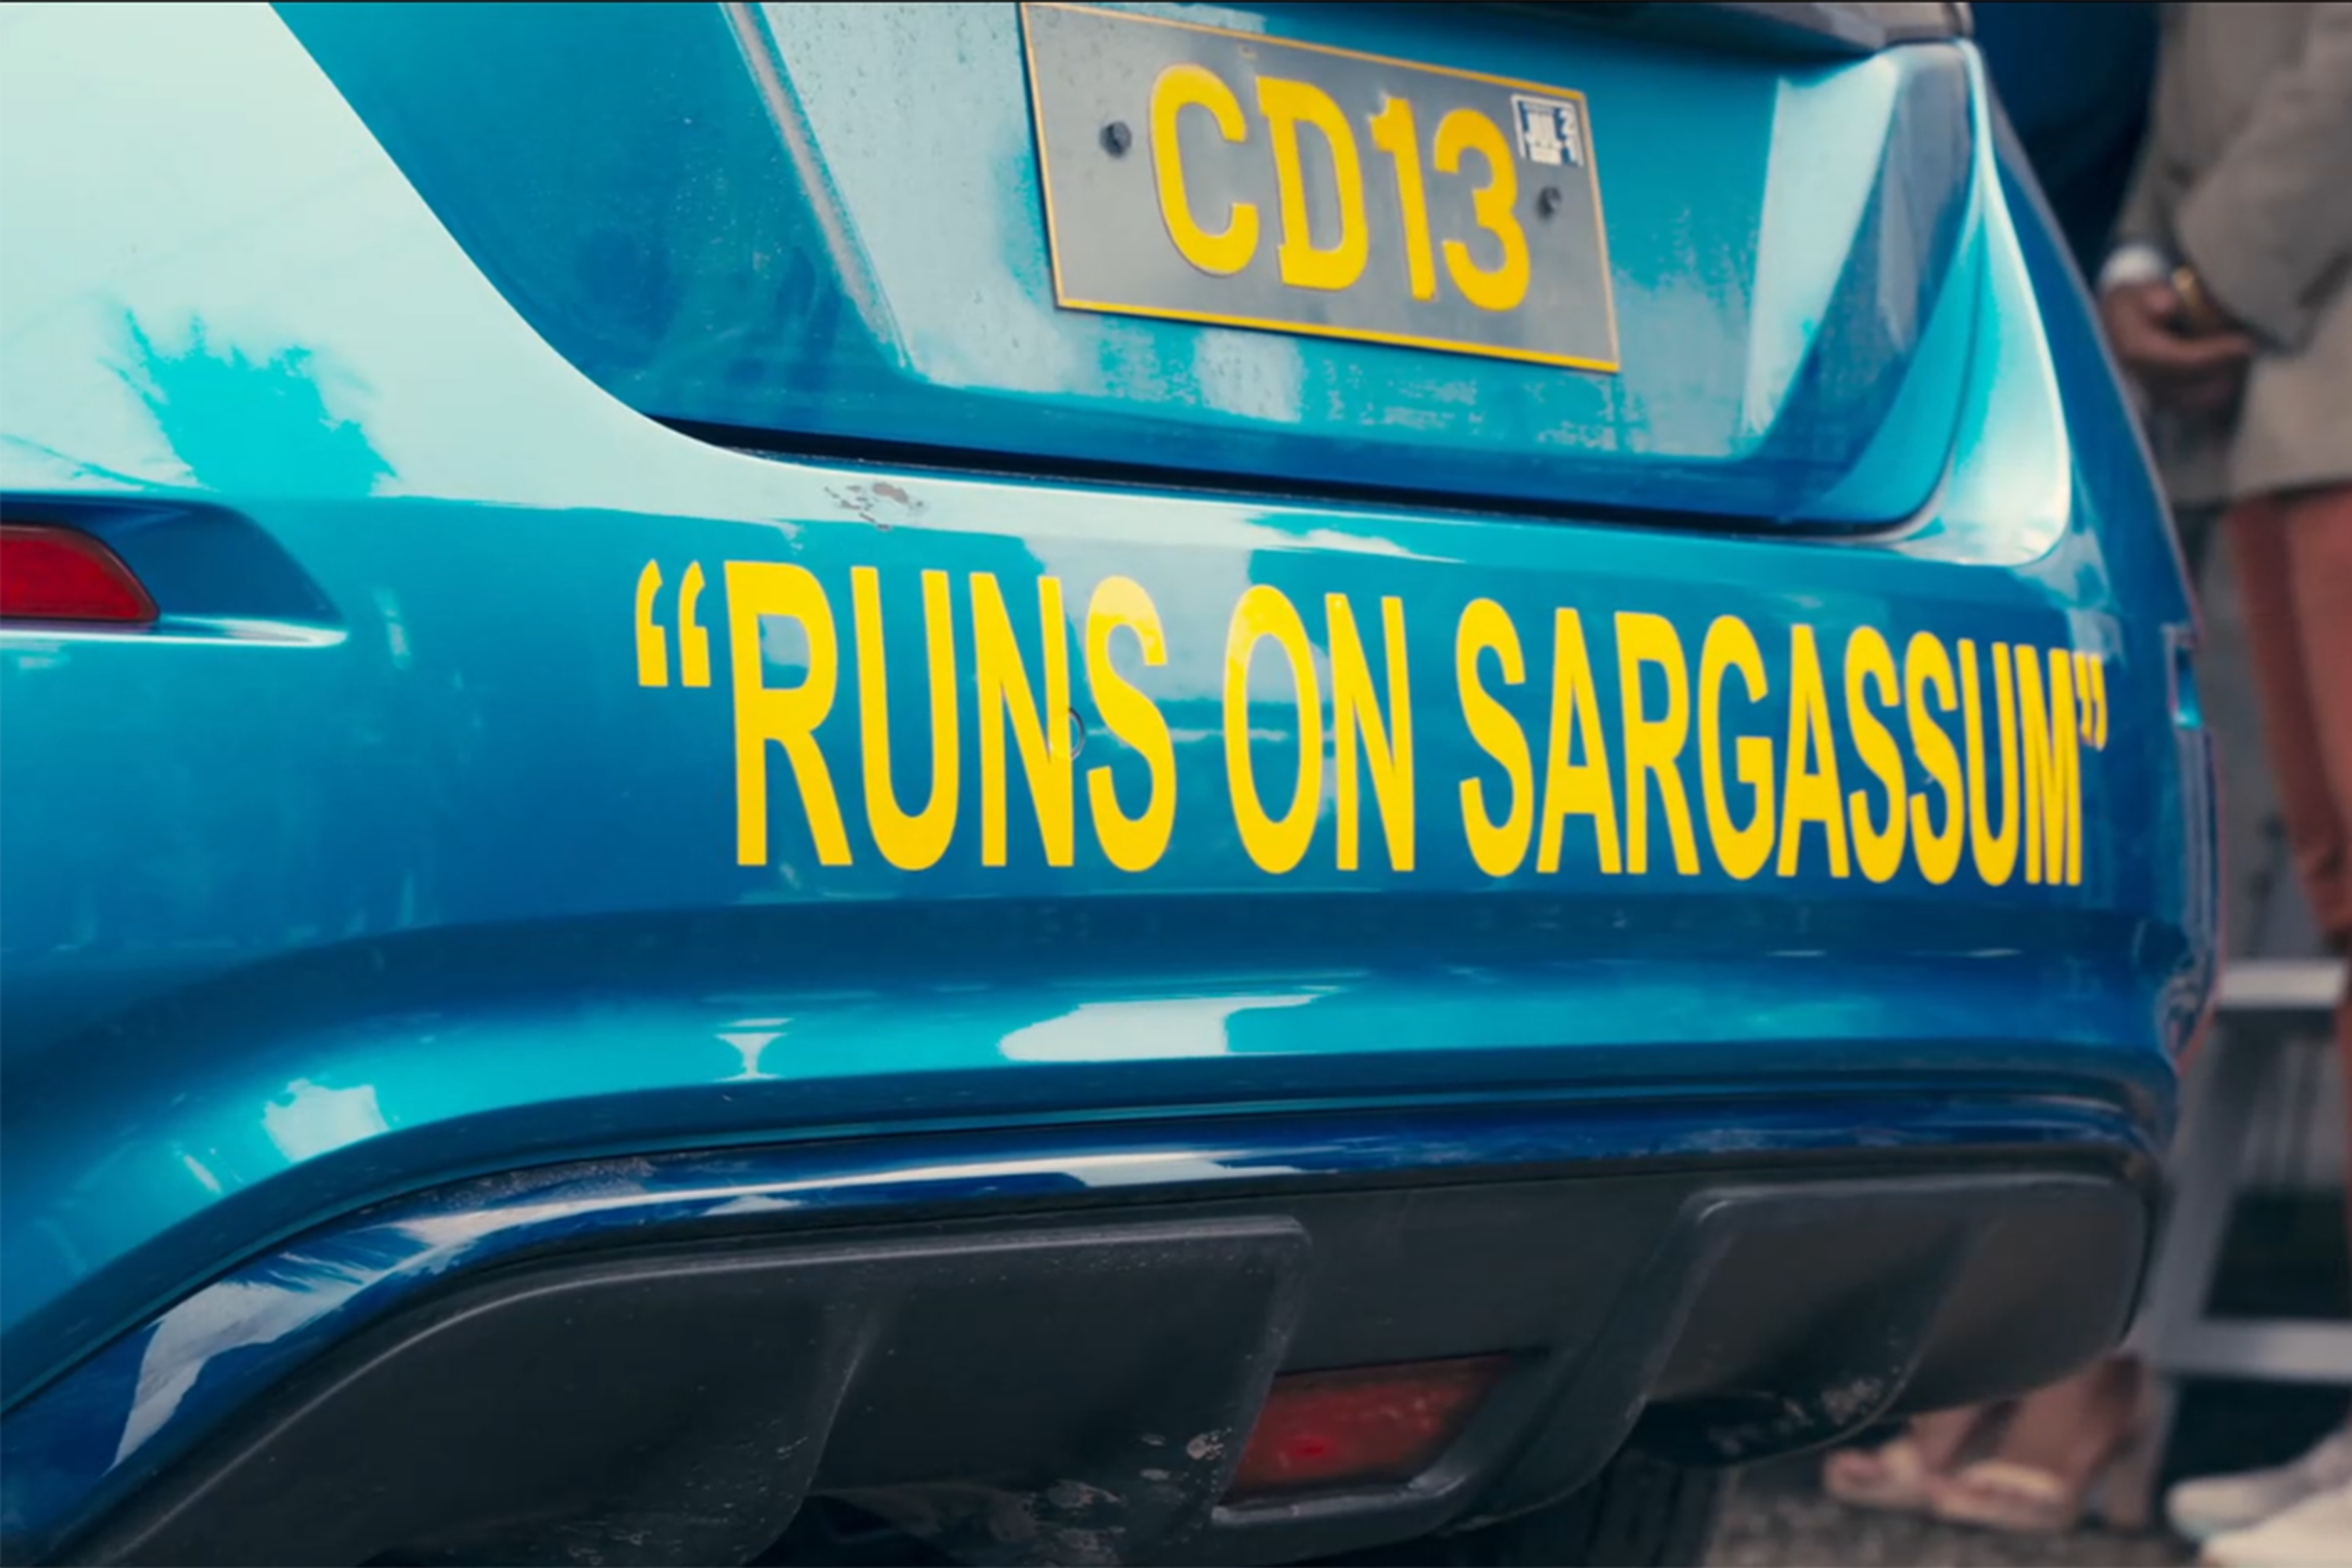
878	273
374	867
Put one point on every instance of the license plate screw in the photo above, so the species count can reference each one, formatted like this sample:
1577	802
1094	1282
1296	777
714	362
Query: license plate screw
1117	138
1547	201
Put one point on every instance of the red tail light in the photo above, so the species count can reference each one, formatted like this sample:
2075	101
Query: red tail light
1363	1426
61	574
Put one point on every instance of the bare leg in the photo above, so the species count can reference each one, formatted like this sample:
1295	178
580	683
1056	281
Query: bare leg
1943	1436
2071	1429
2059	1443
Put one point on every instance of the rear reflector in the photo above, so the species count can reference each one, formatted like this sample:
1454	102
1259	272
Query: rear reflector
61	574
1364	1426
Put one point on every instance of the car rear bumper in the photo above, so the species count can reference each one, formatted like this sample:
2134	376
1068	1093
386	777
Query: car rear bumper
1051	1347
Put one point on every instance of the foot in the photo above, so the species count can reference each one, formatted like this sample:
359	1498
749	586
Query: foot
1892	1476
2315	1533
2001	1494
2201	1510
2064	1441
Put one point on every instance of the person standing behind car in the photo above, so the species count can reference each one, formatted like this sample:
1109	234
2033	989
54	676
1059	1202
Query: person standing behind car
2229	299
2074	76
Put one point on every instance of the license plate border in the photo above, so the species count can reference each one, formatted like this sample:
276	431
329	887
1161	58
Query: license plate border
1614	365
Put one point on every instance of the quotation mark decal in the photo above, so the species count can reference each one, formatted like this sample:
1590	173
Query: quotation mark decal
2091	698
653	642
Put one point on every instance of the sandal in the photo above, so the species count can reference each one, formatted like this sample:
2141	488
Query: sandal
2000	1494
2027	1500
1893	1478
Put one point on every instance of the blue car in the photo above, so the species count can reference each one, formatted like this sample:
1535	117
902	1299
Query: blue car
1043	783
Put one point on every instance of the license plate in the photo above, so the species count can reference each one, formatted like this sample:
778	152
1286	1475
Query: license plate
1194	174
